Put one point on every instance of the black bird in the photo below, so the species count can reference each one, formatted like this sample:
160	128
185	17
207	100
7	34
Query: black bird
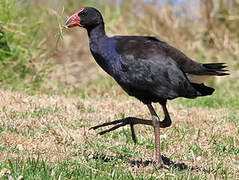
147	68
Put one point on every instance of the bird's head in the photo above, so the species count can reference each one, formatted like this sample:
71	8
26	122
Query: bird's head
87	17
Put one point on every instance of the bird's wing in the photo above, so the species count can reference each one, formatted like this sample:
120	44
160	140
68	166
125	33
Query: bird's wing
144	47
160	78
146	71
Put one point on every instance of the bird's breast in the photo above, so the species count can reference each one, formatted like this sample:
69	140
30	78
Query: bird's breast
108	61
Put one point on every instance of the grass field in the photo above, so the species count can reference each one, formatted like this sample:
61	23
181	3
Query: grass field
48	137
52	92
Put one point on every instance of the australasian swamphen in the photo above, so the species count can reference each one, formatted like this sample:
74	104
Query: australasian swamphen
146	68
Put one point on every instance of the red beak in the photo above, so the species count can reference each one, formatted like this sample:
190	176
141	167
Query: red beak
74	20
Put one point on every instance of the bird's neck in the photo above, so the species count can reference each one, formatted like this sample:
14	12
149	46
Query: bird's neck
97	33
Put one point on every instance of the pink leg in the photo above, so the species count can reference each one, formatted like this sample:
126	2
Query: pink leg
156	125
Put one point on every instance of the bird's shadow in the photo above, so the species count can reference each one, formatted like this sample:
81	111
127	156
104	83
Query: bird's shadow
143	163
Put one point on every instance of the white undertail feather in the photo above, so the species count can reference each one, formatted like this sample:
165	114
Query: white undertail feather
198	79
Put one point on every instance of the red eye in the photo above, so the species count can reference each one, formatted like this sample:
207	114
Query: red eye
82	13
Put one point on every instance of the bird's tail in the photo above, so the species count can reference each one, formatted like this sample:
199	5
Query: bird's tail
202	89
217	69
210	69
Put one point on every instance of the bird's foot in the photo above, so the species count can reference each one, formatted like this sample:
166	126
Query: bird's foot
165	163
122	122
130	121
162	163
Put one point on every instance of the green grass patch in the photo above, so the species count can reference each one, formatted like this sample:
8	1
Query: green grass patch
215	101
37	168
40	112
100	167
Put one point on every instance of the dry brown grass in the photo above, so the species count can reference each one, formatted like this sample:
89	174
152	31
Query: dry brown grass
63	133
